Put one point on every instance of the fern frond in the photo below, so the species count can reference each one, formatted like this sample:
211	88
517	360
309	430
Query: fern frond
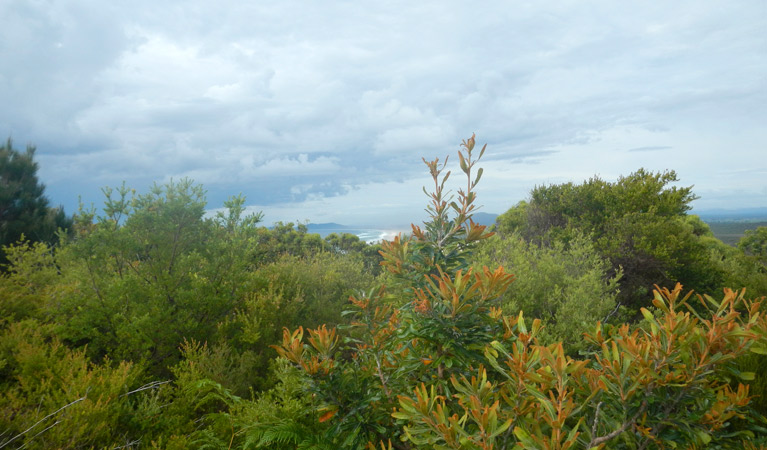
283	433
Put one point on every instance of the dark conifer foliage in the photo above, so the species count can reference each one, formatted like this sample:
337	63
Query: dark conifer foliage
24	209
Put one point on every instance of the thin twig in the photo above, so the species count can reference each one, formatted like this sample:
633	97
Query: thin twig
152	385
381	377
42	420
598	440
38	434
129	444
596	422
612	313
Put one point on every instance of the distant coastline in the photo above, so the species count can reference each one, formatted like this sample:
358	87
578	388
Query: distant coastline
727	225
369	235
732	215
372	234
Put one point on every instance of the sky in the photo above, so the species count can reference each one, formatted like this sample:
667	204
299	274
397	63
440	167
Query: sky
322	111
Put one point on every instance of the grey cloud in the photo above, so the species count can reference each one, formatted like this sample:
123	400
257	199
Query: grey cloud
293	99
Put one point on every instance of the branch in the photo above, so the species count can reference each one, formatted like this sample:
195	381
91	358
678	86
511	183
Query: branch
42	420
129	444
612	313
596	421
41	432
152	385
596	441
383	381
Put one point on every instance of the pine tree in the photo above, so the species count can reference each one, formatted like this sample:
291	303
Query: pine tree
24	209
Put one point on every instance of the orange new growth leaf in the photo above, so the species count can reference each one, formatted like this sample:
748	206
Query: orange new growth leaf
292	348
323	340
328	415
361	304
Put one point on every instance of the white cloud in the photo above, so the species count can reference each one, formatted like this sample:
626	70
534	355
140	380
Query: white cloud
382	205
328	101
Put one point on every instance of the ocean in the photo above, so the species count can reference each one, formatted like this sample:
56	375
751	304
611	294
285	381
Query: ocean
369	235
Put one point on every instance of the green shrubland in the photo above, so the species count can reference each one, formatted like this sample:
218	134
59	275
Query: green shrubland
152	323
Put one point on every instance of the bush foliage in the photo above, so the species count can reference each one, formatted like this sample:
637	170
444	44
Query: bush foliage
154	324
457	372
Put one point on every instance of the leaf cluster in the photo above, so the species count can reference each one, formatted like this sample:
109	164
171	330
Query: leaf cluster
445	367
638	223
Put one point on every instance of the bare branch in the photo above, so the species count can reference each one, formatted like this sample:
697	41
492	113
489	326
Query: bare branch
598	440
596	422
129	444
41	421
41	432
152	385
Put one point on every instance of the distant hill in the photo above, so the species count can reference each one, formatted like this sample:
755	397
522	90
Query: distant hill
484	218
330	227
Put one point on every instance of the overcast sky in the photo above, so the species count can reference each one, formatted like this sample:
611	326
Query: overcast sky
322	110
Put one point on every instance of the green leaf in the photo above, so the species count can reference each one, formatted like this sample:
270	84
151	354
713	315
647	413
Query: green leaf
463	164
705	437
759	350
543	400
748	376
574	432
479	175
647	315
505	426
524	437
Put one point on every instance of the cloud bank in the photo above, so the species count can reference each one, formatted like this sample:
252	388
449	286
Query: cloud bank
323	110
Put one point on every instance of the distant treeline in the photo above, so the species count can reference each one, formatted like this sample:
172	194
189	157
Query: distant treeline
731	232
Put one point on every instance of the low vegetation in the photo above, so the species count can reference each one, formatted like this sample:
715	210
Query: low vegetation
592	316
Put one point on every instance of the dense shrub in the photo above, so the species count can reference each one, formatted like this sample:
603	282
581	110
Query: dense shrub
451	370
